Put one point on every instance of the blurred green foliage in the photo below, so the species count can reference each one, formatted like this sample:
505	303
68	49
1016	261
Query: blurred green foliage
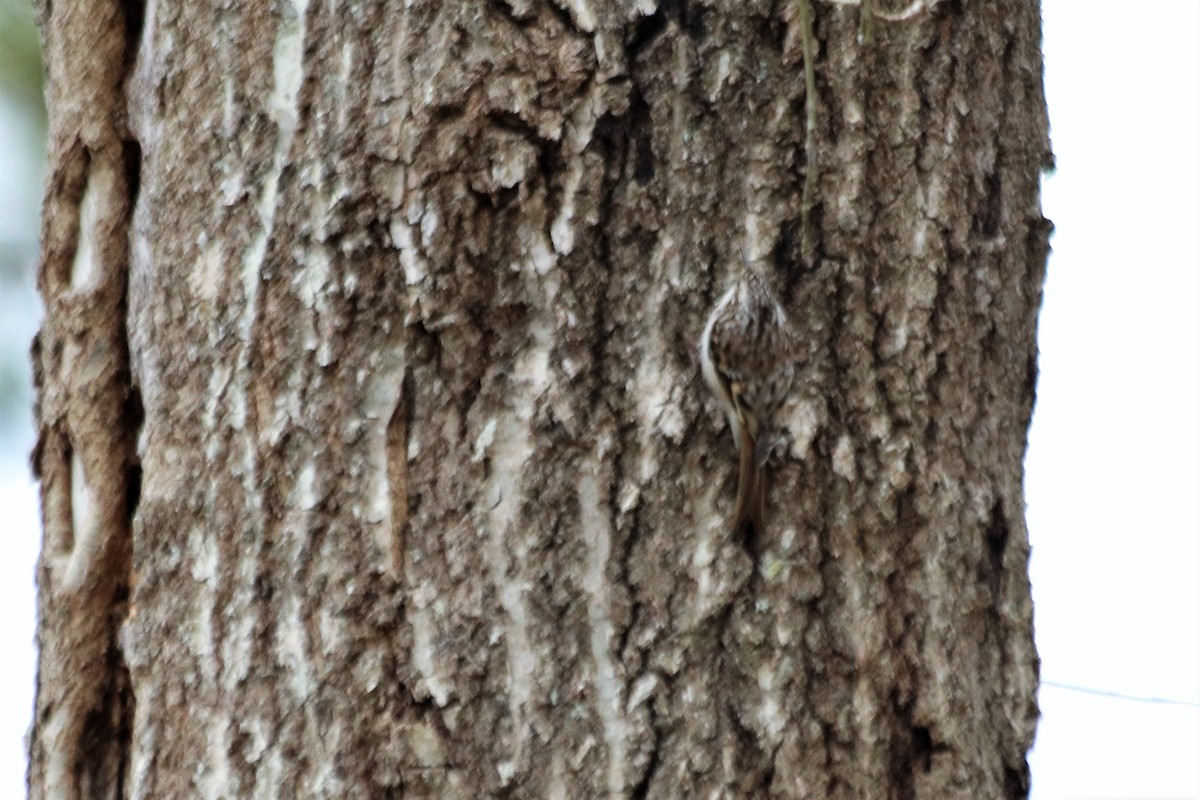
21	58
23	130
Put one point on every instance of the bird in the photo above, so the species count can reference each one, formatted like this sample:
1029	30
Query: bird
747	358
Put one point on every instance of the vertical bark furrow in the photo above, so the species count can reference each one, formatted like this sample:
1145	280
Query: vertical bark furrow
87	409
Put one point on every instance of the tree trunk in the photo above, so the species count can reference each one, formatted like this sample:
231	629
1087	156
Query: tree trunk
428	498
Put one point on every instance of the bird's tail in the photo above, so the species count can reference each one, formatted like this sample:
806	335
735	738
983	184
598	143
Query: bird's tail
751	495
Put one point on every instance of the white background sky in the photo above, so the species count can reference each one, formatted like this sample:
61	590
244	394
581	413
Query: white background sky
1113	471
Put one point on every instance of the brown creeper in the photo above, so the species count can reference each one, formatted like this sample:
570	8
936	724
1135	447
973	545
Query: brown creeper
746	354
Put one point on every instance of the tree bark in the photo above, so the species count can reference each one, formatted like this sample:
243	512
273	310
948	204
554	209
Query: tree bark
375	456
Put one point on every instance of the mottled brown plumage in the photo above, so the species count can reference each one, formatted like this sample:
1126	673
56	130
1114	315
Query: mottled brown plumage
746	353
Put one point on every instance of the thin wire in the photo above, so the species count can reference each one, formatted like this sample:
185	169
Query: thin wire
1118	696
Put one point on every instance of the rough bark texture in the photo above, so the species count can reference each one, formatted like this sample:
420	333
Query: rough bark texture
429	499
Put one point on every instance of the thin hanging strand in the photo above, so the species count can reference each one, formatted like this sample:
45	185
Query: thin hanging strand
1118	696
